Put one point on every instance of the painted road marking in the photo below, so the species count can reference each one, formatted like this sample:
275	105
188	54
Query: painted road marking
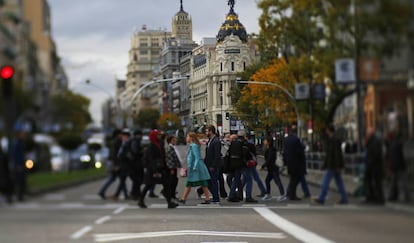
296	231
102	219
78	234
130	236
118	210
54	197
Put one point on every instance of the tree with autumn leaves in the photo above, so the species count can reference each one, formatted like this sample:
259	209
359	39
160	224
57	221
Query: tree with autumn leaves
300	41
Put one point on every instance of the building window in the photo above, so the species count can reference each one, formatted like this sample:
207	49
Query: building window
232	66
221	67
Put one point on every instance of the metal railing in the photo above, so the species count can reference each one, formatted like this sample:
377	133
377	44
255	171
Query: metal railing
352	162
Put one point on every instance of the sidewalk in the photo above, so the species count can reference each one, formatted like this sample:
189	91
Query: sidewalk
314	177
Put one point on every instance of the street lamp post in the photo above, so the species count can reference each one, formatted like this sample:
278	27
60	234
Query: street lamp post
119	120
144	87
284	90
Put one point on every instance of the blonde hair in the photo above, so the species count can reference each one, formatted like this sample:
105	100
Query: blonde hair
194	138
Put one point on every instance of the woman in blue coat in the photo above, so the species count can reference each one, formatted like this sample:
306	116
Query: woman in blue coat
197	172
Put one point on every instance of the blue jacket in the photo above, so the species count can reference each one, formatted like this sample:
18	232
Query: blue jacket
196	168
17	154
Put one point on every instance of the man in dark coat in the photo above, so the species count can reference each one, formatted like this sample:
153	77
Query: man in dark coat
294	159
374	172
333	165
213	162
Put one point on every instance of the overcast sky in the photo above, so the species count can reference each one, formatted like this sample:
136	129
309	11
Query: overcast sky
93	36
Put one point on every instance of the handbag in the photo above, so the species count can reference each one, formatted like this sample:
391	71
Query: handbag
183	172
251	163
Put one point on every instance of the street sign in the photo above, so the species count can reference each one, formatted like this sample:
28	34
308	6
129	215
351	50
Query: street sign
345	71
301	91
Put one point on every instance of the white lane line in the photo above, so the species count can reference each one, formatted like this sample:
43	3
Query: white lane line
102	219
129	236
54	197
78	234
296	231
118	210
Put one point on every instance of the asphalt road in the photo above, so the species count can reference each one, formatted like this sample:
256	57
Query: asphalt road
79	215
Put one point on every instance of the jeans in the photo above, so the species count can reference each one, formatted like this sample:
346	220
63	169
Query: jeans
274	175
213	184
258	180
248	181
110	179
327	176
305	187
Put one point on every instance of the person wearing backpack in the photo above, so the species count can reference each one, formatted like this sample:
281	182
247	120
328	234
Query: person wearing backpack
136	169
123	166
113	163
239	155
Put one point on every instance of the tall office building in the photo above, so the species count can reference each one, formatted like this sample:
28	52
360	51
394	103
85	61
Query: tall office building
144	62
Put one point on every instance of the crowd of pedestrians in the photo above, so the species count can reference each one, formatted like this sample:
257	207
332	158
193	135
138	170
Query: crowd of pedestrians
229	168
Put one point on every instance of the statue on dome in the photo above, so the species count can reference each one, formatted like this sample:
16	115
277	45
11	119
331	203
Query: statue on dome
231	4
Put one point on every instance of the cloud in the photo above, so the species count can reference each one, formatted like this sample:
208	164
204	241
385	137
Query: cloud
93	36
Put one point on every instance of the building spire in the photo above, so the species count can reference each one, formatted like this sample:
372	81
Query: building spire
181	3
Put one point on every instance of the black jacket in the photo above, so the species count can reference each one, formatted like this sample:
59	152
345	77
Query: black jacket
213	153
294	156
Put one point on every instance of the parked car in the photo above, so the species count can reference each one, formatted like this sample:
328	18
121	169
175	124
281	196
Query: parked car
81	158
58	158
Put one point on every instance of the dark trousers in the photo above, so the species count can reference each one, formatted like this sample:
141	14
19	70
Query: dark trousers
293	184
109	180
173	182
20	183
213	184
374	189
137	177
166	189
123	174
274	175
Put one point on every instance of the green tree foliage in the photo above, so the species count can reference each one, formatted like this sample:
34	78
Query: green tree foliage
312	34
69	141
70	110
147	118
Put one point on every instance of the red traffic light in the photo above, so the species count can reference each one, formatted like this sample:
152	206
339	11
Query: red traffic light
6	72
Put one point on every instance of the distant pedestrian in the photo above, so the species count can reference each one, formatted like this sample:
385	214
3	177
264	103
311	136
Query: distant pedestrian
155	169
123	167
333	164
133	156
6	184
255	173
214	162
18	159
399	177
374	170
113	163
272	169
239	155
294	158
197	173
173	163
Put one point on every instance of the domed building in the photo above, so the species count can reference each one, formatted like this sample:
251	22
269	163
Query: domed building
216	65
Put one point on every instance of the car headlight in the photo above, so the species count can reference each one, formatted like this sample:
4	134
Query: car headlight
29	164
85	158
